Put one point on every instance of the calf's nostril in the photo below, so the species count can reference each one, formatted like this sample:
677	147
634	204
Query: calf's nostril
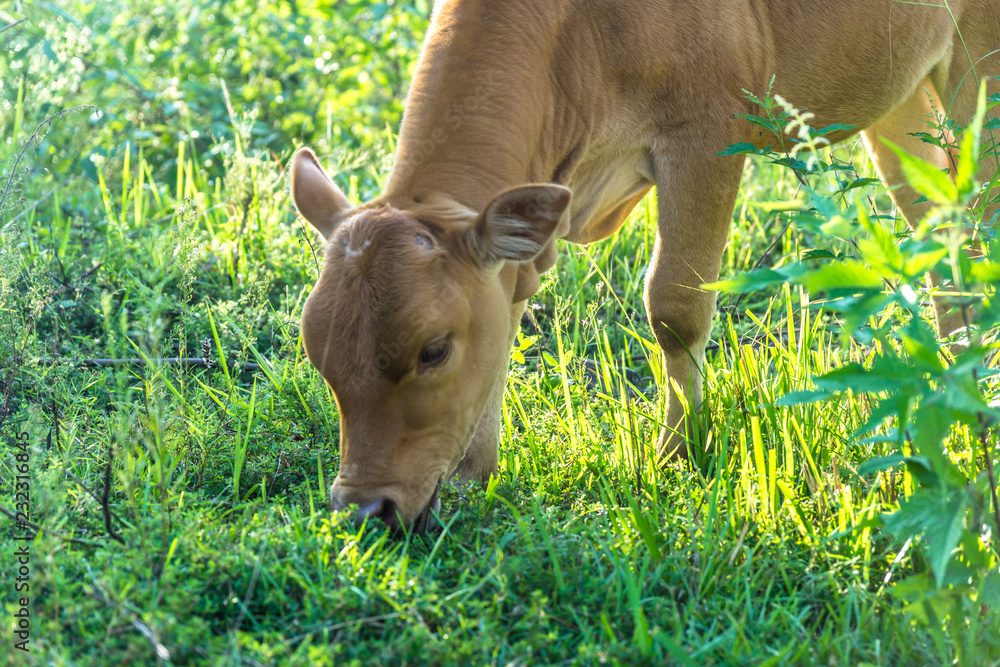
389	515
382	508
372	509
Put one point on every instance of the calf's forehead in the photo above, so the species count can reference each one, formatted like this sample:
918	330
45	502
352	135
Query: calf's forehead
385	284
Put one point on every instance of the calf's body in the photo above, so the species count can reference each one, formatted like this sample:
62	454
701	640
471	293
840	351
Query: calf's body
517	103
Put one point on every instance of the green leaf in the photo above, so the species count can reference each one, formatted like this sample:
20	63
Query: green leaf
770	206
918	263
939	517
894	405
990	592
828	207
642	525
881	249
675	650
50	6
886	374
964	399
49	53
791	163
986	271
931	424
840	275
801	397
925	178
941	545
818	253
974	552
926	604
921	469
744	149
881	463
861	183
968	155
925	357
840	227
890	436
775	127
858	306
838	127
915	587
748	282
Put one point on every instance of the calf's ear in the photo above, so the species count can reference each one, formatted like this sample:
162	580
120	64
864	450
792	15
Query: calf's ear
319	201
519	222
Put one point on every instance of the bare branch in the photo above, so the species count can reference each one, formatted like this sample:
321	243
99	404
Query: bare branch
198	362
8	27
34	526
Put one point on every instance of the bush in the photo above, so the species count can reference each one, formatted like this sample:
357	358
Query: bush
935	400
200	73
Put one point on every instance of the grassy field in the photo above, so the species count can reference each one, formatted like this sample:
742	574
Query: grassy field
179	511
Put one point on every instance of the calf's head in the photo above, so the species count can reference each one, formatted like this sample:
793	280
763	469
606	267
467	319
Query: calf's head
410	325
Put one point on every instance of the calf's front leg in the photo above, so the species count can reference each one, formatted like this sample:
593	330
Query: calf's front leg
697	191
483	456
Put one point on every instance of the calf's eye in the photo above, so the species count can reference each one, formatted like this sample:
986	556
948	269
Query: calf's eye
434	353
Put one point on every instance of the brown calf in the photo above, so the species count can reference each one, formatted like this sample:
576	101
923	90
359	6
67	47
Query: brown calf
518	103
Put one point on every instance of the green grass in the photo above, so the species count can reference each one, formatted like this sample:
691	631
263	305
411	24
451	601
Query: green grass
580	551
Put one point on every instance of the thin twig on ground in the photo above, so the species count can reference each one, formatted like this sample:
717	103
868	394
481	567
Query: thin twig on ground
34	526
11	25
198	362
93	494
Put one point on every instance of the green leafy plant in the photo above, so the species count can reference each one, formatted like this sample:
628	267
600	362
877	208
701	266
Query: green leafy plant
932	399
303	71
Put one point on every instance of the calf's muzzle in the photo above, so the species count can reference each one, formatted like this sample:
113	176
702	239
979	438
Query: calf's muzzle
385	509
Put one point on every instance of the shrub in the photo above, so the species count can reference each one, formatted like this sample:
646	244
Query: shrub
934	399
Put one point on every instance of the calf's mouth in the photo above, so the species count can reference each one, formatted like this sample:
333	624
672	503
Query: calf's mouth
387	511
